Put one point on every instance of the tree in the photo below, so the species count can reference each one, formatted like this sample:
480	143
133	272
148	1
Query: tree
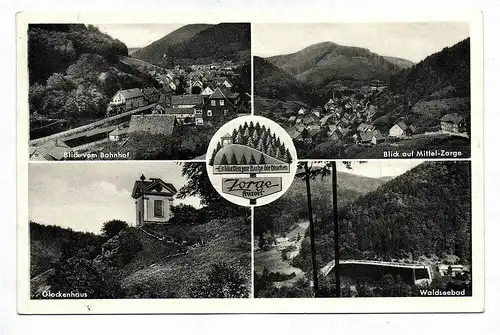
250	143
243	160
221	281
198	184
223	160
233	161
262	159
238	139
113	227
288	156
212	158
260	145
252	160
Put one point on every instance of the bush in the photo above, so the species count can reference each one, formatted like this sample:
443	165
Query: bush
221	281
113	227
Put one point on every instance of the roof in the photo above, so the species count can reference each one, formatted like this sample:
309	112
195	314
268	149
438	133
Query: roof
142	186
293	133
218	94
119	131
52	150
292	118
452	118
173	111
131	93
152	123
229	94
402	125
187	99
308	120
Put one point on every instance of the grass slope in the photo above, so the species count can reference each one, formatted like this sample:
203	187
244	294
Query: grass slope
224	240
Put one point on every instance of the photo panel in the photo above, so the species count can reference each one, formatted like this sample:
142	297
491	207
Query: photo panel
133	91
399	228
367	90
133	230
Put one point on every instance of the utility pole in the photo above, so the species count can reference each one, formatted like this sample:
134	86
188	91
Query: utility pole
311	229
336	229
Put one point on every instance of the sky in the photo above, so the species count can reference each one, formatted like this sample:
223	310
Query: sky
138	35
412	41
83	196
380	168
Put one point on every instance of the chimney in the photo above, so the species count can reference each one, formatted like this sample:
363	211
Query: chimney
142	178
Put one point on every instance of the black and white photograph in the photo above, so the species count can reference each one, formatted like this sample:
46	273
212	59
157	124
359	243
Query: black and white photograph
399	228
367	90
134	230
134	91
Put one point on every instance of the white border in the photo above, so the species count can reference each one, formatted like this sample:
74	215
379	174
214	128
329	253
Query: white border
323	305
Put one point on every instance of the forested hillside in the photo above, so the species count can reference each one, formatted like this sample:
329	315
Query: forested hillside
153	53
74	70
52	243
422	94
424	212
224	41
321	63
292	206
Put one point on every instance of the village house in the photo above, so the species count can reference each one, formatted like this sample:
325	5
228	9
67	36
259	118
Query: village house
301	111
207	91
195	86
52	150
400	129
153	200
187	101
222	81
309	120
151	94
184	116
152	123
292	119
125	100
452	123
217	105
118	134
363	127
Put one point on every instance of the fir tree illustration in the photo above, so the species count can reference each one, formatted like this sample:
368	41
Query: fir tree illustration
246	134
233	160
251	126
234	135
280	154
282	148
245	126
240	129
288	156
258	128
270	150
261	145
211	162
238	139
252	160
250	143
223	160
269	141
243	160
262	159
255	136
